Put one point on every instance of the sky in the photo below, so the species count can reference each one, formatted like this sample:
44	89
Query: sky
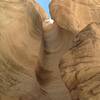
44	4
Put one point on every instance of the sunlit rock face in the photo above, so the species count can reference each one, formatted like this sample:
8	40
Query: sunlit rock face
20	50
40	10
45	59
74	15
80	66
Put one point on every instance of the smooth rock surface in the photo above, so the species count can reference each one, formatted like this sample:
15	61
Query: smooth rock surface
45	59
55	40
21	49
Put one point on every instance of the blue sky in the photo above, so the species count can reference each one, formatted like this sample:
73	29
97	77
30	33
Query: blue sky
44	4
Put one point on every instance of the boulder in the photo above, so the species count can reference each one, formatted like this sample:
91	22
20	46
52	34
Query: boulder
74	15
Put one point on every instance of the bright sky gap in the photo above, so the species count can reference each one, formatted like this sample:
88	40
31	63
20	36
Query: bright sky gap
45	5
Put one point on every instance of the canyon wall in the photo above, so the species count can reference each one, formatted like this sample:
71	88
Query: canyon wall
49	59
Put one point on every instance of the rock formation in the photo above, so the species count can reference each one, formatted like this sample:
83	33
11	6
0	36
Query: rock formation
80	64
40	10
21	50
41	59
74	15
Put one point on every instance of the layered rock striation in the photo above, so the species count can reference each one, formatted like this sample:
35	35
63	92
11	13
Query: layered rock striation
45	59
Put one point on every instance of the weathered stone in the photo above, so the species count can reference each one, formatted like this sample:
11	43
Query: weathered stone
32	46
55	41
20	51
41	11
74	15
80	66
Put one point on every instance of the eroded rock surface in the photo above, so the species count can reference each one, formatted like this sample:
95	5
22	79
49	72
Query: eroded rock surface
55	40
41	59
20	51
40	10
80	66
74	15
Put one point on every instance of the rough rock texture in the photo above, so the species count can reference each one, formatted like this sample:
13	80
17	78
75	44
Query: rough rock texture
37	55
80	67
74	15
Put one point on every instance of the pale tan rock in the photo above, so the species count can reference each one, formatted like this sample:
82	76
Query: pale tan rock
31	48
74	15
20	51
48	75
80	68
80	65
40	10
56	42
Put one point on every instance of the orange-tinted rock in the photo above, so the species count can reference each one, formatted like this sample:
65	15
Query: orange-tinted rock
41	11
80	66
74	15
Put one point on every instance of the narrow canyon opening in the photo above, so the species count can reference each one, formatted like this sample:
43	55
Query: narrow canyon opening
45	5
